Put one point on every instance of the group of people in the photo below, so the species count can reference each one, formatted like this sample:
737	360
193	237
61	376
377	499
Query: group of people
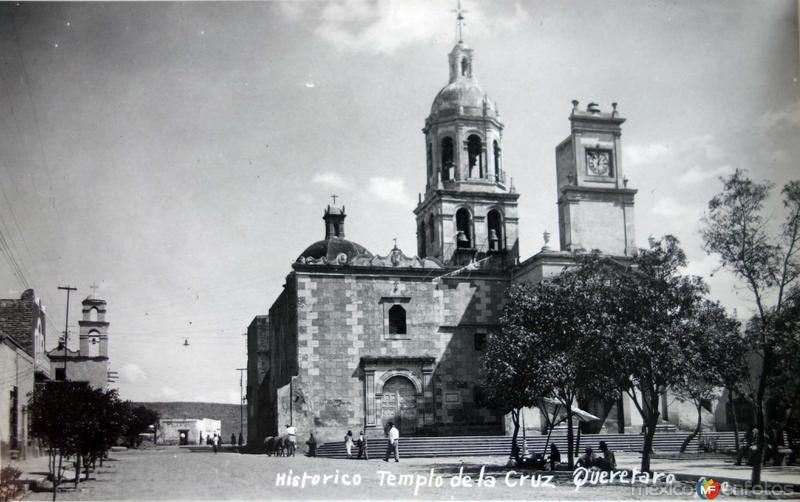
213	441
392	444
607	462
773	441
361	444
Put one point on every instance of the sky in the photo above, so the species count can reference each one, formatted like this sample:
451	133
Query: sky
180	155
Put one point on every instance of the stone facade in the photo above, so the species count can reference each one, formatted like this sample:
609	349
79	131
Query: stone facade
354	370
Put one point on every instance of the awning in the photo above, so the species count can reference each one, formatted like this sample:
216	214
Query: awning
551	407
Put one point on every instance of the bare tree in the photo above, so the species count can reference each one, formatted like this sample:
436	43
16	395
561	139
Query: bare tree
736	229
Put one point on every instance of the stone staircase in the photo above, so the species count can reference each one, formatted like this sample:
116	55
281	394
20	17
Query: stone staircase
456	446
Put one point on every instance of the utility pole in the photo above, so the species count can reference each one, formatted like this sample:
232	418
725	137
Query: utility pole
241	400
68	289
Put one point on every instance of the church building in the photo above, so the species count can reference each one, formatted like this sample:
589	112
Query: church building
90	363
357	339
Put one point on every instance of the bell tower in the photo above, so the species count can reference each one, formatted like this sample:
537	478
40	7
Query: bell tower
469	210
93	328
595	205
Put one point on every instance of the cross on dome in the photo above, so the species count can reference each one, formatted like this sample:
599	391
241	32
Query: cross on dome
460	21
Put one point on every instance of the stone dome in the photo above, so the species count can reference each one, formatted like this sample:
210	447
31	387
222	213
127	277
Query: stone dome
463	97
332	249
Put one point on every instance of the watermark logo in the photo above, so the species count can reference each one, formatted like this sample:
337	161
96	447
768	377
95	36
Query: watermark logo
707	488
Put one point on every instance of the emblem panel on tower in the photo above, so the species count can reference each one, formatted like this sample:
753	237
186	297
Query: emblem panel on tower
595	205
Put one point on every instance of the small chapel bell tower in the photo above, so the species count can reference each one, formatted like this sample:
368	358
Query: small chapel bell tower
93	328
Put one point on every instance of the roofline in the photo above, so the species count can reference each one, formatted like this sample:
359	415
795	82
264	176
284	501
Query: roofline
13	342
427	273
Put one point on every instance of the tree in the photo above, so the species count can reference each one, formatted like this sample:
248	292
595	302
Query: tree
51	408
74	419
511	379
109	418
733	372
604	326
714	344
785	384
560	319
736	230
141	418
649	311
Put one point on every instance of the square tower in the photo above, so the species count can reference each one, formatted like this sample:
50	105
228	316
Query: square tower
595	205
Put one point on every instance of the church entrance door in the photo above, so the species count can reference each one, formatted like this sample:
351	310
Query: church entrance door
399	404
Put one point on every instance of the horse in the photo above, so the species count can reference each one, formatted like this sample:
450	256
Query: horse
281	446
269	445
289	446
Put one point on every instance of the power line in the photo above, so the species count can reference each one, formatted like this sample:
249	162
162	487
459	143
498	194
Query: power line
168	304
12	261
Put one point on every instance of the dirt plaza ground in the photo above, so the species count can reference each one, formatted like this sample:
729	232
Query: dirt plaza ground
178	474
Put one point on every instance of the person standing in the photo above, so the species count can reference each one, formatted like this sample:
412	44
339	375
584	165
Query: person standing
392	445
312	446
362	446
215	443
291	435
348	444
555	456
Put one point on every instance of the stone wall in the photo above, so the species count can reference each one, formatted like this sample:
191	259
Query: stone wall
342	319
93	370
282	356
258	365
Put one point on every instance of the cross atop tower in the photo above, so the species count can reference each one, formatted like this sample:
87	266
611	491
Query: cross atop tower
94	287
334	197
460	20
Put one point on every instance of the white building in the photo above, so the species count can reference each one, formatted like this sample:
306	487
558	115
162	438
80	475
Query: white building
185	431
